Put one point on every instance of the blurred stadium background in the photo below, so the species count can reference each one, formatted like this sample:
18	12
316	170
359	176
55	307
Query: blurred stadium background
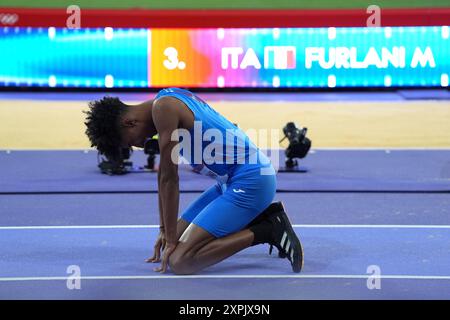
295	46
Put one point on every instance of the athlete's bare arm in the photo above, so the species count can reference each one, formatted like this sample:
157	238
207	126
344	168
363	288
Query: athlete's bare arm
166	118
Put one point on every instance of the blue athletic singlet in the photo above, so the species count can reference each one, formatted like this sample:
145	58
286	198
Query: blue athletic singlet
215	146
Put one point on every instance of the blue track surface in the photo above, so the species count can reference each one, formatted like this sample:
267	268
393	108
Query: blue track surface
352	209
329	170
305	208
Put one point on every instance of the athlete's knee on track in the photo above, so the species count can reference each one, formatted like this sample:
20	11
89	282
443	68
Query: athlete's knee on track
181	264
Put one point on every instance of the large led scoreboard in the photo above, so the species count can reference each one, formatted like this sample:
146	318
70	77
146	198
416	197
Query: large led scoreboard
319	57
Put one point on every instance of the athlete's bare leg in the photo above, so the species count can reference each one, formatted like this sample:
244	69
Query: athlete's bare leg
198	249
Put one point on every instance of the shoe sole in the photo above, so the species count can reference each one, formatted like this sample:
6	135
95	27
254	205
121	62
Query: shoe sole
296	265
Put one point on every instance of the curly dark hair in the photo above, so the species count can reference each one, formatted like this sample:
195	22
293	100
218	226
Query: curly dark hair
102	125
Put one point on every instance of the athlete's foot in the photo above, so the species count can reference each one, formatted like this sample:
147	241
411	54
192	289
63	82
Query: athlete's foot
285	239
272	208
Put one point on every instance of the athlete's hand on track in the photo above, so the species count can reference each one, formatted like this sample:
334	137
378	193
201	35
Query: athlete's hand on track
159	246
168	250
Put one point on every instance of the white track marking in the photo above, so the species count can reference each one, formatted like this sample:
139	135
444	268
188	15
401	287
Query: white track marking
312	276
80	227
372	226
249	276
317	226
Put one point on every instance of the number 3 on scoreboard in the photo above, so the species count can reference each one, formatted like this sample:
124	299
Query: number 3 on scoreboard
172	61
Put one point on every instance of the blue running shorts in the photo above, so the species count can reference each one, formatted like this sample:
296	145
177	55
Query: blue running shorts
226	208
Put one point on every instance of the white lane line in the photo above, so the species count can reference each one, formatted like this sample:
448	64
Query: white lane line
249	276
373	226
79	227
318	226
